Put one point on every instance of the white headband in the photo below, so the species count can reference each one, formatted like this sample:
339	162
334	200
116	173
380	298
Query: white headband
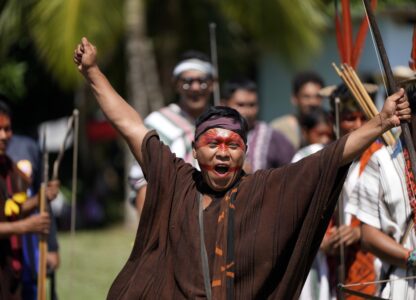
193	64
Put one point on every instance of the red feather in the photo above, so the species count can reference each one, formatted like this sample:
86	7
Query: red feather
347	30
360	39
340	40
412	62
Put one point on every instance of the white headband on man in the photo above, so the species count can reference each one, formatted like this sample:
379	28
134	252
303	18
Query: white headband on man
193	64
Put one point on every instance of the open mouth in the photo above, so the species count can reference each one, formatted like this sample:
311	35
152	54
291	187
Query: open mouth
222	169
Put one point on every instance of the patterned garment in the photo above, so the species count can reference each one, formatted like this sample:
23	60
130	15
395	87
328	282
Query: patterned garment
355	258
12	182
176	129
380	200
25	152
306	151
267	148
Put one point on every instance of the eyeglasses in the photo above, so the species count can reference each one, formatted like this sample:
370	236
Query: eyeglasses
188	81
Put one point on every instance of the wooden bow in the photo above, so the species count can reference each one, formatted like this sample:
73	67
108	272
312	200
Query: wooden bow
408	142
391	83
73	126
43	246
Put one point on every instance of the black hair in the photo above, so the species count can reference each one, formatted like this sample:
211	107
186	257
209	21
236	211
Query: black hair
315	116
231	86
303	78
344	94
4	107
189	54
224	111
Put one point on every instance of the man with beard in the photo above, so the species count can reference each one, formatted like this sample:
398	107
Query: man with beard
218	233
193	80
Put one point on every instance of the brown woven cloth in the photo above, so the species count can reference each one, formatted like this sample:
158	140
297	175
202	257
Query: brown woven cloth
280	218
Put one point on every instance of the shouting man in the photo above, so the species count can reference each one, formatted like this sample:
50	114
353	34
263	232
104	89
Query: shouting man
218	233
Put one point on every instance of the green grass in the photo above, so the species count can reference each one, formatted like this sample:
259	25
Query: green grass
91	260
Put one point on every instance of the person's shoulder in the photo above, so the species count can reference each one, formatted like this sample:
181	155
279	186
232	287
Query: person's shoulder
167	122
312	148
277	134
277	137
381	153
159	118
25	141
286	120
23	147
306	151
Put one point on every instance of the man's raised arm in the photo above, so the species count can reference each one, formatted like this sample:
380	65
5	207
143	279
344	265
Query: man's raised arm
395	109
123	117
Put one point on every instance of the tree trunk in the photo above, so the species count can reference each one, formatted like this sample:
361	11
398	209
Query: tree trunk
143	90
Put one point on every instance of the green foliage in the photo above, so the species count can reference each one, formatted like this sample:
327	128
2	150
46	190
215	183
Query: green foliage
12	73
287	27
12	19
58	25
12	79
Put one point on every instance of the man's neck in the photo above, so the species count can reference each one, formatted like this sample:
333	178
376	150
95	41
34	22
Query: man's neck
192	113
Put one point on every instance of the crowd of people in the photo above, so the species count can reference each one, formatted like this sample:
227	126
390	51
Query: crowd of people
230	206
224	214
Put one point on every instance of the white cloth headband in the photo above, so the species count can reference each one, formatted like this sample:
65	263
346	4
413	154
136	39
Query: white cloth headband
193	64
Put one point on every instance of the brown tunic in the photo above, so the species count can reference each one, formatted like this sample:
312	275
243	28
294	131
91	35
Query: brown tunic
280	218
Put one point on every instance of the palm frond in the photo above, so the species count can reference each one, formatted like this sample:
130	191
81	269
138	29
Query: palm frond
284	26
58	25
12	20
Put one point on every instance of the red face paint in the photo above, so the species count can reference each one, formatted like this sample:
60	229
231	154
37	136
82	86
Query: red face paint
220	153
222	139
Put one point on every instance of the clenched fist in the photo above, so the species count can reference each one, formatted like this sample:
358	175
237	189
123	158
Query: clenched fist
395	109
85	55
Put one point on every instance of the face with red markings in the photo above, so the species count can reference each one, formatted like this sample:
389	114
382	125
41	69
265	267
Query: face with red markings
220	154
5	132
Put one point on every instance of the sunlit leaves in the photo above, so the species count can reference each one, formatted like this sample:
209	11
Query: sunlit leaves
289	27
58	25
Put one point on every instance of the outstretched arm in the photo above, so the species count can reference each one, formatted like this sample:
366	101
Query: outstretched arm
38	223
395	109
123	117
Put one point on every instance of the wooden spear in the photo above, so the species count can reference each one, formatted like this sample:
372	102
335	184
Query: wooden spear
43	246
